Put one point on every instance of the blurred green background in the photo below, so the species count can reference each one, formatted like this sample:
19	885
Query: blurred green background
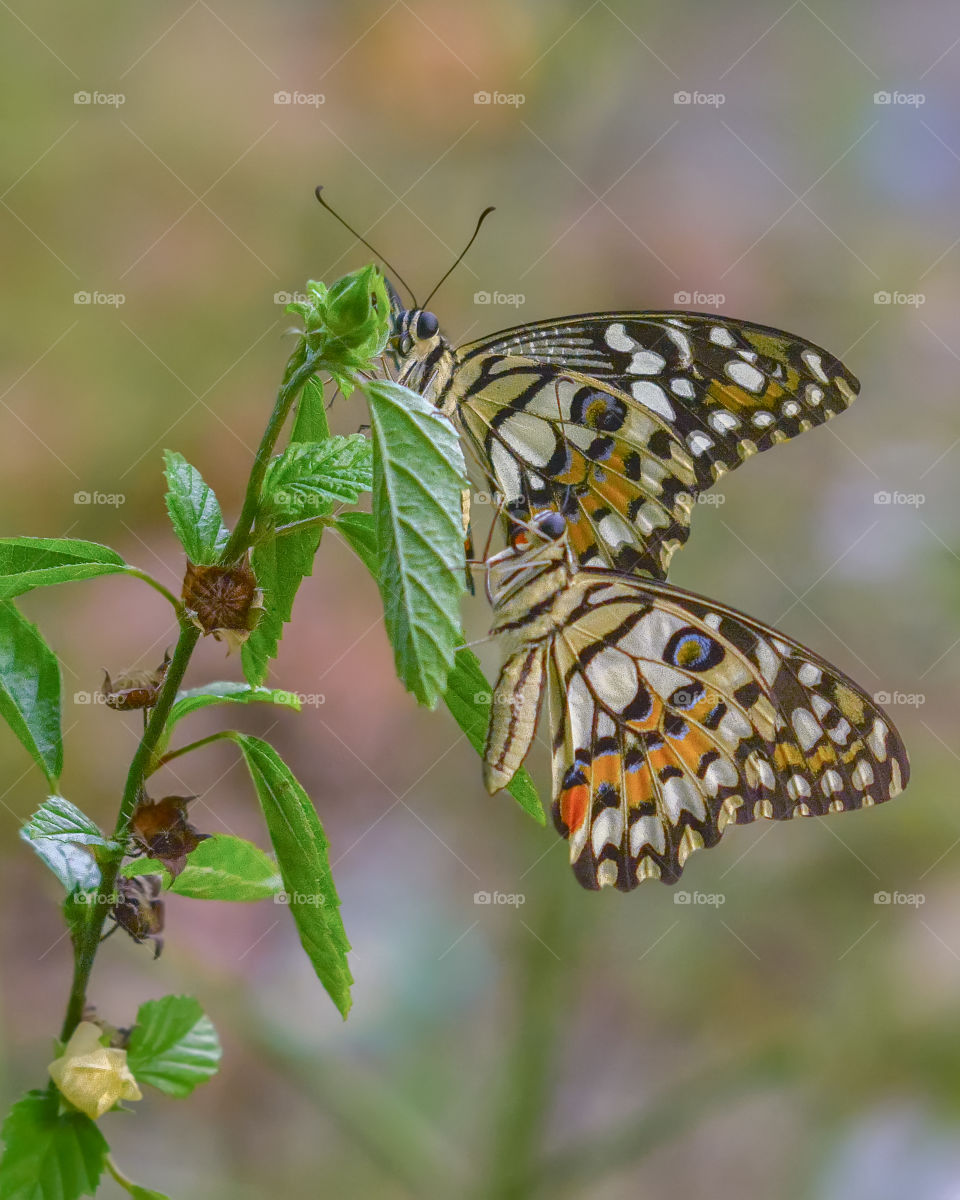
794	1039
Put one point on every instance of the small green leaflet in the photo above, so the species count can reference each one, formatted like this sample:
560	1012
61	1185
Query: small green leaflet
49	1155
173	1045
28	562
301	848
310	476
56	831
222	692
418	481
30	690
222	867
194	511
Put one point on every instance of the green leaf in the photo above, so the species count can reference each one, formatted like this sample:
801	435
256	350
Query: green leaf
30	690
49	1155
469	696
27	562
418	480
282	564
173	1046
310	476
310	422
359	530
194	511
222	867
133	1189
301	848
62	821
73	866
223	692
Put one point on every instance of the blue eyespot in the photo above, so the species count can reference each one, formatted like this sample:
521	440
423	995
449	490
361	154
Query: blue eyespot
691	650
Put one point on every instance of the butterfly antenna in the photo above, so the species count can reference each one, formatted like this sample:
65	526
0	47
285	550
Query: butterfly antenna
363	240
480	220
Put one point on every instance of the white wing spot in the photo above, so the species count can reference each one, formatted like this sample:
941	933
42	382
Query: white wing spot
617	338
745	375
815	363
722	421
646	362
652	396
683	388
699	443
806	727
722	337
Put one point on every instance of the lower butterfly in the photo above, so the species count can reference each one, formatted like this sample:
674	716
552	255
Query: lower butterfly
672	716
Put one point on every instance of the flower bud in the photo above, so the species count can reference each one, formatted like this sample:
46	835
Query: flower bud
224	601
93	1077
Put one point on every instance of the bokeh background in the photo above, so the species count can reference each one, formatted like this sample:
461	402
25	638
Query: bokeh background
785	1033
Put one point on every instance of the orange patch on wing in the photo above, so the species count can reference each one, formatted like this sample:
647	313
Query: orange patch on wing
573	806
606	769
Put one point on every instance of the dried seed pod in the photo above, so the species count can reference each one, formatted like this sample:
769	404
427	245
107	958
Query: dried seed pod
139	911
161	830
134	689
224	601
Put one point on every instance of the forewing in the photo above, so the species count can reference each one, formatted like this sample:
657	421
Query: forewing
678	717
721	389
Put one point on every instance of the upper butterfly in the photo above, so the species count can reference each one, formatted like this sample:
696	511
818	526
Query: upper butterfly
619	420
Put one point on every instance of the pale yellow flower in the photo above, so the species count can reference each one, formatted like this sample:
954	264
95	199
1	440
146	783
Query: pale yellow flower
91	1076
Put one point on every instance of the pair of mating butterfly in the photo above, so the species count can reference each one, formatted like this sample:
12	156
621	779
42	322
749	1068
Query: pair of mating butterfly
672	716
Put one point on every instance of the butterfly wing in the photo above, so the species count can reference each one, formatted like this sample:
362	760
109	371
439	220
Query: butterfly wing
674	717
619	420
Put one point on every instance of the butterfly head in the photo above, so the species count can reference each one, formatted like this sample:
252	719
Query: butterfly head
538	556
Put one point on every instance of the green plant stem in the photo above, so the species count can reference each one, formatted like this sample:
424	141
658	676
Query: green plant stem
86	936
289	390
157	587
205	741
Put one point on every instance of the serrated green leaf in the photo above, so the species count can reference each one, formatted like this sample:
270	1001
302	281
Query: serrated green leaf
30	690
173	1046
60	820
469	697
28	562
282	564
221	692
309	477
194	510
222	867
468	694
301	848
49	1155
73	866
418	481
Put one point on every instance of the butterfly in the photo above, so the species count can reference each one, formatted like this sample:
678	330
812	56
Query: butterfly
672	716
618	421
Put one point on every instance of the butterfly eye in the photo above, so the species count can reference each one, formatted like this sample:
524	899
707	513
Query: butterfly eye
427	325
552	525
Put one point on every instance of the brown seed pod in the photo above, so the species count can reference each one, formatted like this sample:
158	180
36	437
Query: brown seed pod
161	830
224	601
139	911
134	689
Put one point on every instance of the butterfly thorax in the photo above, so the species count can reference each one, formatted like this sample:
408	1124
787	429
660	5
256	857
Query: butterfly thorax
531	592
423	358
